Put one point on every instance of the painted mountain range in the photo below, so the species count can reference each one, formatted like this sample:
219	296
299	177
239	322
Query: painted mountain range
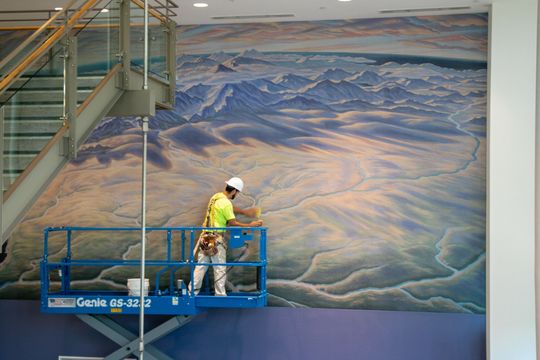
369	166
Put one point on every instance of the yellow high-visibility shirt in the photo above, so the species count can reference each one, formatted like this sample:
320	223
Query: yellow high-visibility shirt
222	211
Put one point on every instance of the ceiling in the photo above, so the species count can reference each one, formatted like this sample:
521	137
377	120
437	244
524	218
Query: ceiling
313	9
235	11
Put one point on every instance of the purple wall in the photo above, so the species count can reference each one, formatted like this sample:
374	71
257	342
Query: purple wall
269	333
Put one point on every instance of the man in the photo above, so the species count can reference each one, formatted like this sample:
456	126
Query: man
220	213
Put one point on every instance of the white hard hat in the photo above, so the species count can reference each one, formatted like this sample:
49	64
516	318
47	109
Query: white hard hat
236	183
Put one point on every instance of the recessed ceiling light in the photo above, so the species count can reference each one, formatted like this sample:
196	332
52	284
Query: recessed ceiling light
58	8
104	10
200	5
344	0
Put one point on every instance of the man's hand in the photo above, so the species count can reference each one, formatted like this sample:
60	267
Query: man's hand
256	223
254	212
234	222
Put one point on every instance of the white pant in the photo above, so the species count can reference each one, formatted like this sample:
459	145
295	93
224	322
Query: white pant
220	272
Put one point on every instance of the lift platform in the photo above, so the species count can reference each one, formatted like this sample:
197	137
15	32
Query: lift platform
63	291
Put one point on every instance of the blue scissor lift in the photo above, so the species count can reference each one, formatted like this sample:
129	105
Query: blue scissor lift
94	306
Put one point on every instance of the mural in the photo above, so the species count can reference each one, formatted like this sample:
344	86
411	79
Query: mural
363	141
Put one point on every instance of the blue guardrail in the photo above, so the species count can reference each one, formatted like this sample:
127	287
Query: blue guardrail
64	289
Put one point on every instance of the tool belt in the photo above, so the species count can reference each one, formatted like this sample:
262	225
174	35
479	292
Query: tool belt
208	243
210	240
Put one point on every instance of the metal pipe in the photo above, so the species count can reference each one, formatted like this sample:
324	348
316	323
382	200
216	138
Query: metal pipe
151	11
191	262
537	185
143	220
145	79
183	258
169	241
45	244
69	237
143	239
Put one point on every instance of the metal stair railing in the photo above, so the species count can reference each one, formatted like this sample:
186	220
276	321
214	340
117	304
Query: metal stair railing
53	94
39	94
13	73
32	20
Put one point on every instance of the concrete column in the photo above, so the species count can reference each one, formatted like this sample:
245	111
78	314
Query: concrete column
511	190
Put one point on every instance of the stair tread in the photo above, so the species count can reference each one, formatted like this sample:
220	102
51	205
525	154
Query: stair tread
13	171
34	120
21	152
61	77
27	136
31	118
27	103
19	156
36	105
45	90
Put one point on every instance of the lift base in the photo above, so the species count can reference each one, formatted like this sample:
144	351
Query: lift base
128	341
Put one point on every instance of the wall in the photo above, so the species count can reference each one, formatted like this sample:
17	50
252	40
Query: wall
270	333
381	156
362	140
511	247
511	244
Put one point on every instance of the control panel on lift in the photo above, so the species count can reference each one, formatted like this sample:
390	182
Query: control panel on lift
238	237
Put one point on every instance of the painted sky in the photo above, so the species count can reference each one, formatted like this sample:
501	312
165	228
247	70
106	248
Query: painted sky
452	36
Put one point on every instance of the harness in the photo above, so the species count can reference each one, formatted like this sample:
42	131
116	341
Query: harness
208	242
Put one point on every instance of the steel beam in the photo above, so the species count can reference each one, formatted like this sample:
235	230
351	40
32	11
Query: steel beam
125	42
135	103
101	104
70	92
159	87
171	60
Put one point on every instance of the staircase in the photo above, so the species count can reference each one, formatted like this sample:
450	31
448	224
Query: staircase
33	119
50	102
